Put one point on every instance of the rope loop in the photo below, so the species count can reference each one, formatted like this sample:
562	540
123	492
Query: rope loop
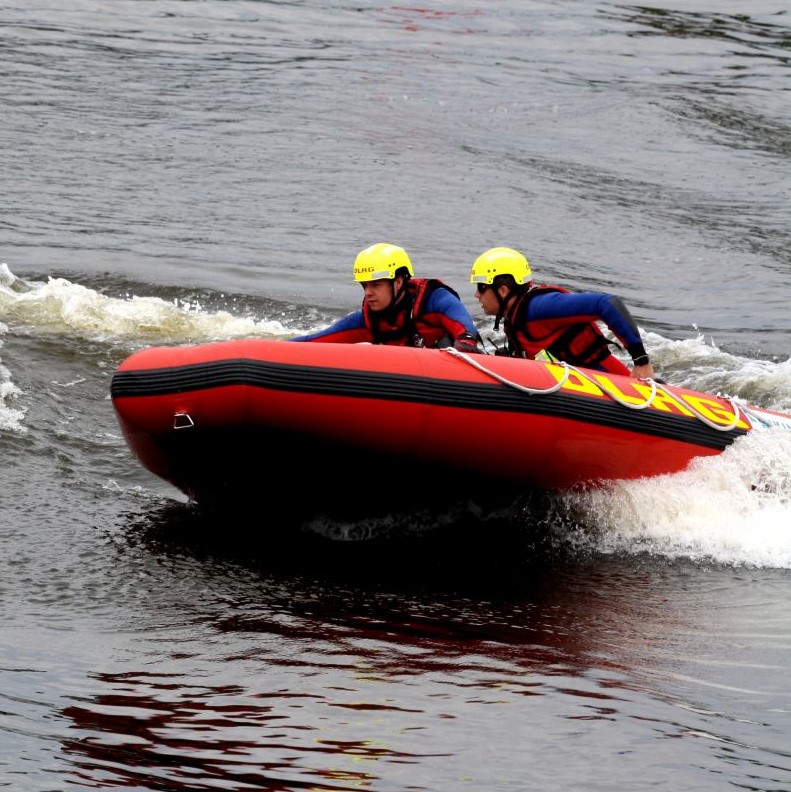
511	384
567	369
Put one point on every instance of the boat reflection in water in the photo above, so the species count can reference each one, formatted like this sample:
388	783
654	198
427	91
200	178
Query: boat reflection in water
333	667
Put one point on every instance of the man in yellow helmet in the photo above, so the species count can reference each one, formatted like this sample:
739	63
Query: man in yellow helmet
399	309
551	323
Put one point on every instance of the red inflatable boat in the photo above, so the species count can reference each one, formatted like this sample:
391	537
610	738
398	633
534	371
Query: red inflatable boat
338	424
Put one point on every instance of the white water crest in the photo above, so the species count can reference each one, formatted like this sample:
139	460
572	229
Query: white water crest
11	417
698	364
732	508
59	306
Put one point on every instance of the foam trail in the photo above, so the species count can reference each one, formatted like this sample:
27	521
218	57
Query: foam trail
62	307
10	417
733	508
697	364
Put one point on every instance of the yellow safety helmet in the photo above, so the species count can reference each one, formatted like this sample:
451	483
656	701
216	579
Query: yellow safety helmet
500	261
381	260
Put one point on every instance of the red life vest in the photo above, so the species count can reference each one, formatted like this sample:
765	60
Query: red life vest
580	343
403	324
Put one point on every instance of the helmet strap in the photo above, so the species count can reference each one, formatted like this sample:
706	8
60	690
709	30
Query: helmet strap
514	293
502	301
396	301
397	295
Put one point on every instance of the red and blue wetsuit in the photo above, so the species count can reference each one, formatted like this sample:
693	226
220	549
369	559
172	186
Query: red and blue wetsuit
429	314
561	324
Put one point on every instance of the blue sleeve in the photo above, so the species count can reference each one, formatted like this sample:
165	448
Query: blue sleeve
441	301
345	330
588	307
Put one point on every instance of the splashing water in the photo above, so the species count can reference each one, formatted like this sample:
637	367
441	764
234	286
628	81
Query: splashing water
734	508
60	306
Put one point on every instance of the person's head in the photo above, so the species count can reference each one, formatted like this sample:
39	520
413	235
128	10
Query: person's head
498	274
383	270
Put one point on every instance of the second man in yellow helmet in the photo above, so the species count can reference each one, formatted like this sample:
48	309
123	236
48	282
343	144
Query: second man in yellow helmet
551	323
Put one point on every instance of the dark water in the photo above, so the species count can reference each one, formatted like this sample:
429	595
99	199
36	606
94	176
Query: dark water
190	171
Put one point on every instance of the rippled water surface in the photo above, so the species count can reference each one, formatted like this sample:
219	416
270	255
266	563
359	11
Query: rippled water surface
191	171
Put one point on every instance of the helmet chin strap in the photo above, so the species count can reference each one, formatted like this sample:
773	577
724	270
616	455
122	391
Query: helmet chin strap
395	297
513	293
501	310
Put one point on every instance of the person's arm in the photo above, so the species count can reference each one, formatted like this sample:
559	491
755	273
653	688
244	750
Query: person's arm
446	309
592	306
350	329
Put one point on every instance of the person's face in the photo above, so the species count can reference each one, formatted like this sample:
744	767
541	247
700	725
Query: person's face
379	294
487	299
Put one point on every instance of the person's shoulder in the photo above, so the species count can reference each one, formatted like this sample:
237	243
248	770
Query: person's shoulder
439	290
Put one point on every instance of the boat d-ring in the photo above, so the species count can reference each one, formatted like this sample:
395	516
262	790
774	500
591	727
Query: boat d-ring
183	421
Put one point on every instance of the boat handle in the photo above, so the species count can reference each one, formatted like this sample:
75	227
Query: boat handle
183	421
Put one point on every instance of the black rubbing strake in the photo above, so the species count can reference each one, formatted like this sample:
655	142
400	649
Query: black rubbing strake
493	397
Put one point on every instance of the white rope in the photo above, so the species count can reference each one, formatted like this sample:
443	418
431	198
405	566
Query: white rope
567	368
708	421
647	403
494	375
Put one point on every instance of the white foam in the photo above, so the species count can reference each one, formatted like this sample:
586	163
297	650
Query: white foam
699	365
732	508
61	307
10	417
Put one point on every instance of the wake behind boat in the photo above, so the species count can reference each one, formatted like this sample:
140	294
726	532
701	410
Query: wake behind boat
344	426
